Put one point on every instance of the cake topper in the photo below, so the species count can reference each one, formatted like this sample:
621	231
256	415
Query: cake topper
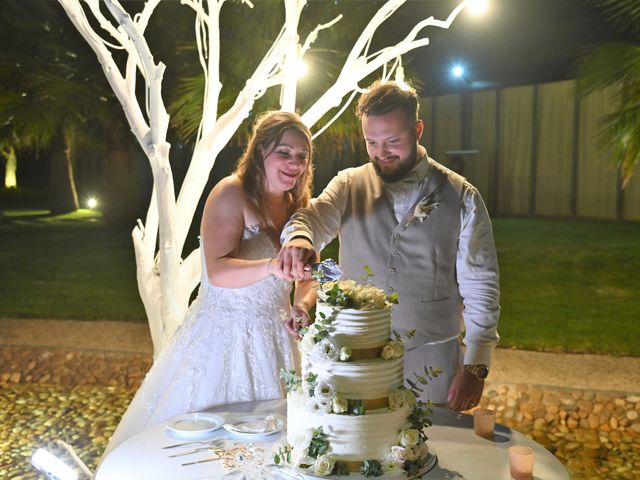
326	271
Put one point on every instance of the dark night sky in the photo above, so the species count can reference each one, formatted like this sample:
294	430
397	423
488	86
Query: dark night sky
516	42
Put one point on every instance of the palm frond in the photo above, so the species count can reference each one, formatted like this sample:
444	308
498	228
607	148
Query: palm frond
606	65
621	133
186	107
623	13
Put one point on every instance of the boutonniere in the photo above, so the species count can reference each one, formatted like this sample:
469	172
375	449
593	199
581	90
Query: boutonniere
422	210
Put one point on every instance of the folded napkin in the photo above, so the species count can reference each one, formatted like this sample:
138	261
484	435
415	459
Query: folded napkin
267	424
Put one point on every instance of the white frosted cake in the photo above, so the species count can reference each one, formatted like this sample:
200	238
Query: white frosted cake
349	412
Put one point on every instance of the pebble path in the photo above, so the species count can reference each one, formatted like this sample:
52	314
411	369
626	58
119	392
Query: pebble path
79	397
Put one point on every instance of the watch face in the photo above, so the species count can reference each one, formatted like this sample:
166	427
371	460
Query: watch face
479	371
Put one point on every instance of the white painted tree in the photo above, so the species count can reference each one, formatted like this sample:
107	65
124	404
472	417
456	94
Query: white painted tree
165	279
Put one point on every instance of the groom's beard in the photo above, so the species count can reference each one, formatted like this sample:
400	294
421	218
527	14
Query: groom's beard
404	166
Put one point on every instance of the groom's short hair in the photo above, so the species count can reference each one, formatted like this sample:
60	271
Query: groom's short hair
382	98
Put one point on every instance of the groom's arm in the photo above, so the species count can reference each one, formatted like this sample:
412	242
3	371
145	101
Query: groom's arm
310	229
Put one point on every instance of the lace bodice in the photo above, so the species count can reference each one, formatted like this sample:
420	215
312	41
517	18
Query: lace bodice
268	295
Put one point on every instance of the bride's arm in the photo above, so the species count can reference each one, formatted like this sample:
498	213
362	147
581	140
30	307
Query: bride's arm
221	230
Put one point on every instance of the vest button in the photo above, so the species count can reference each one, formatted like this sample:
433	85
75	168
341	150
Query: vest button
390	289
395	253
392	270
396	235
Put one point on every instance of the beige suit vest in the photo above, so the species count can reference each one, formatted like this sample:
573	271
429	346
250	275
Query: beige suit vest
416	259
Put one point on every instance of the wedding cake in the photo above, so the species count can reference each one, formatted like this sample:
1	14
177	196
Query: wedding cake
349	412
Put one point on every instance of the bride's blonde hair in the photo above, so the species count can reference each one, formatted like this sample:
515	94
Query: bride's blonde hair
268	129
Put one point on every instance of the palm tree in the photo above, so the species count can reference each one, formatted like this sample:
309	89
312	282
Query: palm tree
617	65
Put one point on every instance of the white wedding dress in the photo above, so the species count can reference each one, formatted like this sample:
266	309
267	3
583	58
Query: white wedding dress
230	348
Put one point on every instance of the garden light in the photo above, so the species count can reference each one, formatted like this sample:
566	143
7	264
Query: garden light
92	203
52	466
457	71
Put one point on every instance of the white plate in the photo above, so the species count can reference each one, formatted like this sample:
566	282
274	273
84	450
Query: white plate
194	425
265	424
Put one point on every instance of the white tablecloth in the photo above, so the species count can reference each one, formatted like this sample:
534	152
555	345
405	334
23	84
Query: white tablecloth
461	454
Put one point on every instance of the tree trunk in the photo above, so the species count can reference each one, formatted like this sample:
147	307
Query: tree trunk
62	192
120	202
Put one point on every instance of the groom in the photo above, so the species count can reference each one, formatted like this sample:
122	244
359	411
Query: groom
425	233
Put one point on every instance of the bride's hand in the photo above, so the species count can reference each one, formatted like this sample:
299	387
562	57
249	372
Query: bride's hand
298	318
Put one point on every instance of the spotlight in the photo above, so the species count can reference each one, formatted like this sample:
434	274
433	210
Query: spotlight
457	71
478	7
92	203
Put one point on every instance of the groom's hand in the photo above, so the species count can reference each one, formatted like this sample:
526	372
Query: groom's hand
465	391
294	256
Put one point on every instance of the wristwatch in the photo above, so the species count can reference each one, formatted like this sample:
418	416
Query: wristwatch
479	371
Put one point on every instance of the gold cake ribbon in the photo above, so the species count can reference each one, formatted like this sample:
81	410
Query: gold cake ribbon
365	353
375	403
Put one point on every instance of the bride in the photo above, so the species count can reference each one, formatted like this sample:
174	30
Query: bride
234	339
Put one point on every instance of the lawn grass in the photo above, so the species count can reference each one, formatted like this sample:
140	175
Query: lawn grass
569	285
66	266
566	285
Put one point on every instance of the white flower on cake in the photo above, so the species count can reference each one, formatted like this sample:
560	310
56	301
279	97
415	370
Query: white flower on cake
323	465
387	352
326	350
398	348
421	450
348	294
410	454
339	404
307	343
347	286
392	350
312	405
298	396
392	469
397	399
409	437
301	442
397	454
318	405
345	354
409	398
325	390
304	464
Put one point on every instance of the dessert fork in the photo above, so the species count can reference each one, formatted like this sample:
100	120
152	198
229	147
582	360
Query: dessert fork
217	443
194	442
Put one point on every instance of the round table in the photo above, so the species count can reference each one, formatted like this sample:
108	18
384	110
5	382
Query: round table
461	453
